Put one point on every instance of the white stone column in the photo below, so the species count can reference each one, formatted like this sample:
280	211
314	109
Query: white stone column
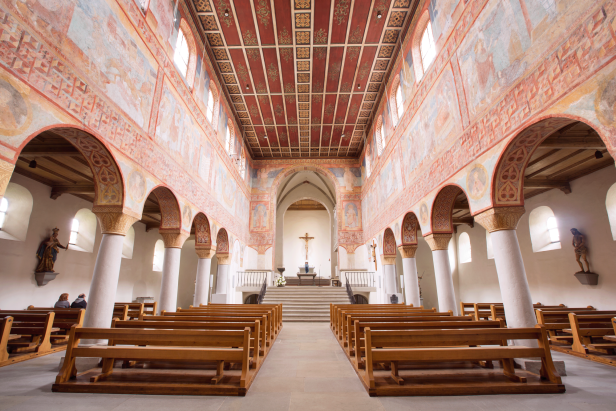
501	222
222	275
442	272
171	271
102	294
202	284
389	275
409	271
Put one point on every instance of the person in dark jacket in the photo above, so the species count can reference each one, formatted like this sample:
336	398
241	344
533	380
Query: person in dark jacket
62	301
80	302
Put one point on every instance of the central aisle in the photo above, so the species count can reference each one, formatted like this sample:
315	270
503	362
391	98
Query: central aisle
306	370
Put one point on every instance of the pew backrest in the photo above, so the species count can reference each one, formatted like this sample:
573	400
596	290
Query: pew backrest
5	332
32	324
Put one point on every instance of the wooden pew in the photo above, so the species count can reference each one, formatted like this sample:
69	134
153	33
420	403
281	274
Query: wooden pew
350	335
334	311
339	310
585	328
182	347
5	333
269	312
483	311
556	322
469	308
430	324
445	346
349	319
135	310
64	319
263	338
254	327
250	307
120	312
35	330
344	314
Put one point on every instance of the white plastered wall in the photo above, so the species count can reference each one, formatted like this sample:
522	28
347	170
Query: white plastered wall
296	224
550	273
18	258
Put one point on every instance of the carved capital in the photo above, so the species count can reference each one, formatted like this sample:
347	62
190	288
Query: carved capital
500	218
114	222
205	252
408	251
223	259
6	171
388	259
174	240
438	241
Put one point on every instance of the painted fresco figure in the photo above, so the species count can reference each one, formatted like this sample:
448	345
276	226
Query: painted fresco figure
349	179
48	253
579	246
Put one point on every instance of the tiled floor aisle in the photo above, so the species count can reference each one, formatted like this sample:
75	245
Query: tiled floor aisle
306	370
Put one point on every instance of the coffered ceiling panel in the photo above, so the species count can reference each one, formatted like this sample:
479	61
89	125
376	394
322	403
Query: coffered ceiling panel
304	76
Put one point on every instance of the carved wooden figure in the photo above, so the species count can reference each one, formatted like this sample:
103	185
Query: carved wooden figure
579	246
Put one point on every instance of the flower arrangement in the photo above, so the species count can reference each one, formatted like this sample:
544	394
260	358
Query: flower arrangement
280	281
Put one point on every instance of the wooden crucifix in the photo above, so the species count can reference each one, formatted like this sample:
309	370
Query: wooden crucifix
306	239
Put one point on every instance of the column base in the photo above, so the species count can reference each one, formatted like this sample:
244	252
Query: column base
534	366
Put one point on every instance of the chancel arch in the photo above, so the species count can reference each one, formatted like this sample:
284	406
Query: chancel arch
305	206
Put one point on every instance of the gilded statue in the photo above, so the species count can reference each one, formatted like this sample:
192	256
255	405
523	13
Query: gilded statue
579	246
48	253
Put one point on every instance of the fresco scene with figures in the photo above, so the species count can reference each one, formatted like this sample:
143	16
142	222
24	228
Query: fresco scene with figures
189	186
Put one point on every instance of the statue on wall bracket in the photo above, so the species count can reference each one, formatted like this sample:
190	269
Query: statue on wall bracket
585	277
47	254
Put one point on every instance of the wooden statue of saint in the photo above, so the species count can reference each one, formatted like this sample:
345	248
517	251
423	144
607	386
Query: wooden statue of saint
579	246
48	253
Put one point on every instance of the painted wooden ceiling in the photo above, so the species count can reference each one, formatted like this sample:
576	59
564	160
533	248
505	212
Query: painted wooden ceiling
308	74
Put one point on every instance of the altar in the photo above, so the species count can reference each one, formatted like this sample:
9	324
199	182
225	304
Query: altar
304	274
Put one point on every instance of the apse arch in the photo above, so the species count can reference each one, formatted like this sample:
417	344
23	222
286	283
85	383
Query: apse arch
109	181
507	185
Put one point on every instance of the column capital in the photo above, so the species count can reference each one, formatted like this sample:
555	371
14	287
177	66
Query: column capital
438	241
408	251
174	239
203	252
500	218
388	259
223	259
113	221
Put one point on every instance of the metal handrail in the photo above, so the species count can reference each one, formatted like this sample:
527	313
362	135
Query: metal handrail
250	278
349	291
262	292
360	278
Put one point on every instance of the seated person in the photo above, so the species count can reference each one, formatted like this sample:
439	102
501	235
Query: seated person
62	301
80	302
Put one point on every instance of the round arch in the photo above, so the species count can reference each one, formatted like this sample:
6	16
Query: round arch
109	184
389	243
410	223
441	220
171	217
203	236
222	242
508	177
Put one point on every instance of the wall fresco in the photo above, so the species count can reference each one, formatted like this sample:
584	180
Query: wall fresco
349	178
442	17
259	216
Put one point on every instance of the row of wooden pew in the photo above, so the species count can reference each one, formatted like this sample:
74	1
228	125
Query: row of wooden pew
582	329
208	350
402	350
38	330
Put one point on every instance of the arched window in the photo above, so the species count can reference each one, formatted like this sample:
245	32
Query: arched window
378	136
15	210
543	226
83	231
464	248
159	256
4	206
368	163
209	112
610	205
243	164
144	5
128	244
489	246
230	139
181	56
399	103
427	48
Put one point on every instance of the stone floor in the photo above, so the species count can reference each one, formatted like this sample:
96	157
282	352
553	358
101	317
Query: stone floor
306	370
